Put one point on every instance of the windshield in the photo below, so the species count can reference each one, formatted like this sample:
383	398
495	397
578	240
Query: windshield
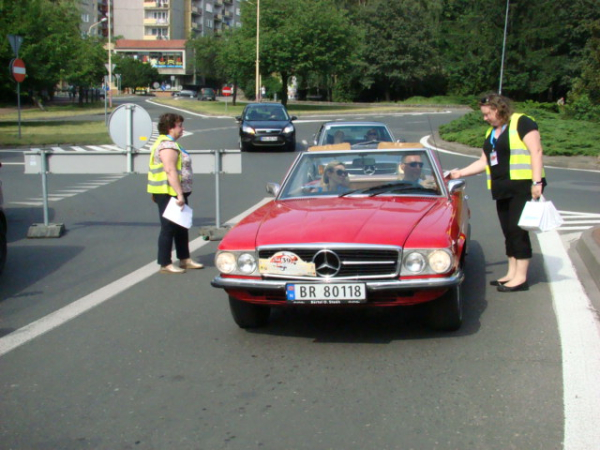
355	134
362	173
265	112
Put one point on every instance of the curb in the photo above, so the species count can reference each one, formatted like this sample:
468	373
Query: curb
588	248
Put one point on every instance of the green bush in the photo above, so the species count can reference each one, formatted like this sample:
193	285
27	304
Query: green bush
560	135
580	107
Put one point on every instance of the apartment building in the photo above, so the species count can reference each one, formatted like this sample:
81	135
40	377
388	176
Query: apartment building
155	31
174	19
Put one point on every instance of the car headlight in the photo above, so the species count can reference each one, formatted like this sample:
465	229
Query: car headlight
425	261
439	261
247	129
289	129
246	263
240	262
225	262
414	262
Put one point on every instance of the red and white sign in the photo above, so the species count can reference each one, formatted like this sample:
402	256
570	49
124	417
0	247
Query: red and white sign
17	68
227	91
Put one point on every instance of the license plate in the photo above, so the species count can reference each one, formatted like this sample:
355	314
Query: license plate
331	294
269	138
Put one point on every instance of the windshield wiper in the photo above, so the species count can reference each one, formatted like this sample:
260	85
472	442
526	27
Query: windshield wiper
380	188
407	187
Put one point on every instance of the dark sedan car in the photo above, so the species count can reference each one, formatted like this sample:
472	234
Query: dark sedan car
266	126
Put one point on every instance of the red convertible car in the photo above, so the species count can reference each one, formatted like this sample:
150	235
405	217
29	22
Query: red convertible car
373	225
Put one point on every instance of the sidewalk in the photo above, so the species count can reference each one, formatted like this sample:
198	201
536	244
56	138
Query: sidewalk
584	251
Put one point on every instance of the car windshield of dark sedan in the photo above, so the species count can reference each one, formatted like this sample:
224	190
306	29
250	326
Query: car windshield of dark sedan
362	173
266	112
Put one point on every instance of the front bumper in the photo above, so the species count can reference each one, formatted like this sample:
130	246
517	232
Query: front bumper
373	286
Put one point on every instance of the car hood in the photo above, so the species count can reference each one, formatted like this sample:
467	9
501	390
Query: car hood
267	123
380	220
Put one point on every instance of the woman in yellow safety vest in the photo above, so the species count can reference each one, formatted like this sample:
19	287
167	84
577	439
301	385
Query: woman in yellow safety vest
170	176
512	160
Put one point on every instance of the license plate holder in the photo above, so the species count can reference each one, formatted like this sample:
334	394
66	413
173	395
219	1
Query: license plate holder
269	138
326	293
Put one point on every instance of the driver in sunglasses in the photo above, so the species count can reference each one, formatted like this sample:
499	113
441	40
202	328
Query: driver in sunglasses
411	166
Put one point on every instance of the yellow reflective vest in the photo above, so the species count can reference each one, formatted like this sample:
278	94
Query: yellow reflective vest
157	177
520	158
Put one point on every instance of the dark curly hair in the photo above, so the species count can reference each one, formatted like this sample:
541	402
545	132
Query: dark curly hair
168	121
500	103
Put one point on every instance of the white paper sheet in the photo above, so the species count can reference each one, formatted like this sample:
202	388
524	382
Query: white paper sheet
175	214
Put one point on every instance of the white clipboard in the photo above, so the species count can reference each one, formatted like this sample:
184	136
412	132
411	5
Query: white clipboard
175	214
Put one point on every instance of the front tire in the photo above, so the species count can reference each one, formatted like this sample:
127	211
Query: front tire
445	313
249	315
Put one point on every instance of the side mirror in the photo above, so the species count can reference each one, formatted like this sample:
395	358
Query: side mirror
294	118
273	188
238	118
456	185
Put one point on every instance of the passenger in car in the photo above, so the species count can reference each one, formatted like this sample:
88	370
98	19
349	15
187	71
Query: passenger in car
339	137
335	178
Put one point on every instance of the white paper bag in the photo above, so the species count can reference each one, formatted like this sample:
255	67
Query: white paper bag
539	216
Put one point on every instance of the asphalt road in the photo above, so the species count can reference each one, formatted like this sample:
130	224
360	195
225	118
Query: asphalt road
112	355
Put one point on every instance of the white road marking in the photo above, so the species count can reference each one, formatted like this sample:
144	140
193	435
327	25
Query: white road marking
60	317
580	338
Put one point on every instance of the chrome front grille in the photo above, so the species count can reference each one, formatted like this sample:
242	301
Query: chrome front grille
352	262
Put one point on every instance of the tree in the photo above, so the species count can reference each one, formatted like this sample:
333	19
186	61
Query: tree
134	73
400	45
53	48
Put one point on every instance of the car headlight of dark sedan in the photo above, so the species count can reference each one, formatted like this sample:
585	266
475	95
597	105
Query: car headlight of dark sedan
239	262
248	129
289	129
426	261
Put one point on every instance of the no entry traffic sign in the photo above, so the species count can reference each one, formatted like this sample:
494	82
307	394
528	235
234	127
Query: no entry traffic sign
227	91
17	68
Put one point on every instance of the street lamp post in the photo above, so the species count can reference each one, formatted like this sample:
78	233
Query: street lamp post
257	89
104	19
109	56
503	49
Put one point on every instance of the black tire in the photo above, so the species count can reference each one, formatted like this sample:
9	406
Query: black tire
446	312
243	147
249	315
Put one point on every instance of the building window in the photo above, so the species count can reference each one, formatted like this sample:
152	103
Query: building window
209	7
209	23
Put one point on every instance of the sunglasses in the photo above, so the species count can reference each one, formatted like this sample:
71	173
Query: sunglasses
340	173
415	164
483	100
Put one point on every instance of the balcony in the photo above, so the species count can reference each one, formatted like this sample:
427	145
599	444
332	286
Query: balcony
196	11
218	17
156	22
156	4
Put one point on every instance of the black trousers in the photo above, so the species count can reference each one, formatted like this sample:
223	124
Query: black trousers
516	240
171	232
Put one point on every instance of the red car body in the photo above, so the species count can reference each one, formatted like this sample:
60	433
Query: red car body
372	237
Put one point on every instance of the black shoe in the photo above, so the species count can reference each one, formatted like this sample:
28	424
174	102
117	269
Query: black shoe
518	287
497	283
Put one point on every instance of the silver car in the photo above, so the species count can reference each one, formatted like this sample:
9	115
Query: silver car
353	133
